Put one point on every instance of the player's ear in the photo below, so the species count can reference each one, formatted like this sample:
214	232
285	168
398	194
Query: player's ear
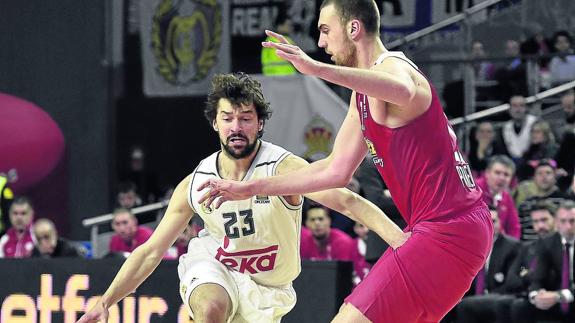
354	29
215	125
261	125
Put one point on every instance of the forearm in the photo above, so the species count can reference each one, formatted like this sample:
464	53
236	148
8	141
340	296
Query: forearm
376	84
314	177
139	265
372	217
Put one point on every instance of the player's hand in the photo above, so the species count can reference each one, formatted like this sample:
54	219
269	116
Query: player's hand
400	240
221	190
292	53
98	313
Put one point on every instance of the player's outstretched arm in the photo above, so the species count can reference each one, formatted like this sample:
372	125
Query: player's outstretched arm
351	205
334	171
389	81
142	262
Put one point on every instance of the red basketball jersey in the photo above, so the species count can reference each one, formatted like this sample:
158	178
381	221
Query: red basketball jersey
420	162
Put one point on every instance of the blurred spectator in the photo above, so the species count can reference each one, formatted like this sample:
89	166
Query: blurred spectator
127	196
324	242
484	71
483	147
537	44
562	67
551	290
566	159
495	186
512	77
565	122
128	235
6	197
49	244
18	241
542	185
542	146
521	272
144	180
529	192
489	283
516	133
360	266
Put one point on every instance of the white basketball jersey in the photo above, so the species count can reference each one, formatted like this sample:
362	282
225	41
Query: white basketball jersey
259	236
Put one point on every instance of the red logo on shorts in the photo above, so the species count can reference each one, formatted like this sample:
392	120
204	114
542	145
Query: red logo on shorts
251	261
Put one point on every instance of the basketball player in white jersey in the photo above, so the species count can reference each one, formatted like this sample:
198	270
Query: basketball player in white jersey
241	267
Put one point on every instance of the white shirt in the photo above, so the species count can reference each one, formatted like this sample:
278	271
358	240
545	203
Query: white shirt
259	236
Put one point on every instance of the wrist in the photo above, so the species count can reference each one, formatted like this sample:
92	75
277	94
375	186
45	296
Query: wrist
319	69
250	185
105	301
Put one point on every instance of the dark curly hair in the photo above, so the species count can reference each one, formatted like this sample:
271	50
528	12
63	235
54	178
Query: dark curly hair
239	89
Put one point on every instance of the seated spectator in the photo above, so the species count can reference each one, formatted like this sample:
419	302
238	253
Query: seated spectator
143	178
542	146
566	159
529	192
324	242
360	266
484	146
18	241
484	70
512	77
541	185
489	284
537	44
516	133
521	272
562	67
128	235
49	244
551	291
127	196
495	185
565	122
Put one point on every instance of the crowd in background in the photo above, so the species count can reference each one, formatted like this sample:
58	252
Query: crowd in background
523	163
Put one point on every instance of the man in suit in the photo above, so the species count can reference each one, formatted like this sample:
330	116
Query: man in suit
490	281
542	219
551	290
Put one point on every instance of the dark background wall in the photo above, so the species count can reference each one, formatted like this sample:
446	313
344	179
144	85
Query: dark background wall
52	53
174	132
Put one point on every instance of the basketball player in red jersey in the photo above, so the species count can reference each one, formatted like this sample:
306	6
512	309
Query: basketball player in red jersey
395	114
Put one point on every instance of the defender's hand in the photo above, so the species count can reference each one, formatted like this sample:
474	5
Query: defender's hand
292	53
220	191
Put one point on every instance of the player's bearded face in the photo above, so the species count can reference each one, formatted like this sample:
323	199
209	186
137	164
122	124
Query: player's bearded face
238	145
348	56
237	128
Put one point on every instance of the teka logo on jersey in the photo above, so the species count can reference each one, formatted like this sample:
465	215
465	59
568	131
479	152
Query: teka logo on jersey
251	261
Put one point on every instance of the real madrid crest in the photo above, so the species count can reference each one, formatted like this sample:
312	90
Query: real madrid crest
318	138
186	37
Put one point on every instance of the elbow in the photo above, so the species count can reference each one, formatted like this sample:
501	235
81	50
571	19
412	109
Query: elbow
150	254
406	93
340	179
337	176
